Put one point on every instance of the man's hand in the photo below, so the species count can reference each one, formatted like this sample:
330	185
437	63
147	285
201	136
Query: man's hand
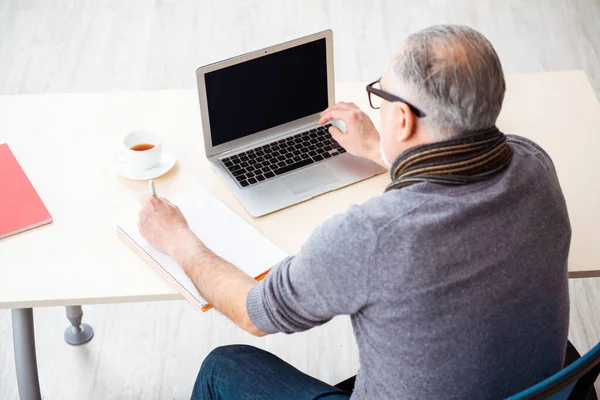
222	284
361	137
164	227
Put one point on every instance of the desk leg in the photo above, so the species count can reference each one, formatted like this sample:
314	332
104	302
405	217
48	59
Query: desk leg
78	333
25	358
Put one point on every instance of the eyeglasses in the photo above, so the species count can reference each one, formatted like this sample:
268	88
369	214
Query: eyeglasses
375	101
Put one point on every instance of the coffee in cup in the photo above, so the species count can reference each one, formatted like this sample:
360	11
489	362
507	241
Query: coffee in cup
142	150
142	147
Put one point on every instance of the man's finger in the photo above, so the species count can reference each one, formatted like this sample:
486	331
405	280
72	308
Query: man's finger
324	118
146	199
331	113
337	134
327	112
146	212
336	105
164	200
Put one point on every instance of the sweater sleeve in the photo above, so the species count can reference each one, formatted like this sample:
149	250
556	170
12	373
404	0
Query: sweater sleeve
328	277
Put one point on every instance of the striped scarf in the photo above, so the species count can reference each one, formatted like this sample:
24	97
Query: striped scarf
474	158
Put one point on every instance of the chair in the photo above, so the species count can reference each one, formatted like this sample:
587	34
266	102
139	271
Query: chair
574	382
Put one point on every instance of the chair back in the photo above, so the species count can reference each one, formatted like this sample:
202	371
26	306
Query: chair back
574	382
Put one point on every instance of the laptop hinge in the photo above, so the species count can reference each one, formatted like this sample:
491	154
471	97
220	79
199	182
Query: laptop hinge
223	153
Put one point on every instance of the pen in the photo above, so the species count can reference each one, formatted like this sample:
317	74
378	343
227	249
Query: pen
152	188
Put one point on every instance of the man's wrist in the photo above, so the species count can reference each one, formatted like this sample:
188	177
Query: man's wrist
186	247
375	154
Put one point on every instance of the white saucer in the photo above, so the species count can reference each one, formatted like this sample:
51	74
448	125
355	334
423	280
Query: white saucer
166	163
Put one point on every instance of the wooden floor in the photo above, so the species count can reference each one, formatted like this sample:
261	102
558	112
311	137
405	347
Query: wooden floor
153	350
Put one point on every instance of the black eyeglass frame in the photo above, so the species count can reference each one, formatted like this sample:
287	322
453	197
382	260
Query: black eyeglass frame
390	97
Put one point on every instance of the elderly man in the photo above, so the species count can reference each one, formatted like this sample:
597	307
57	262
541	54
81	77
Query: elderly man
455	277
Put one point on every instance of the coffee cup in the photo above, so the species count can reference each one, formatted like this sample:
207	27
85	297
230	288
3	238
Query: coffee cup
142	150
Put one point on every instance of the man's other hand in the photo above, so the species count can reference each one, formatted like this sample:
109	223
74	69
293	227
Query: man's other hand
361	137
164	227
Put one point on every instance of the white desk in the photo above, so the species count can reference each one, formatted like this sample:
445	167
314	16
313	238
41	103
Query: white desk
66	142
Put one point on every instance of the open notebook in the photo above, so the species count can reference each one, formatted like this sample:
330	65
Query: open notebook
221	230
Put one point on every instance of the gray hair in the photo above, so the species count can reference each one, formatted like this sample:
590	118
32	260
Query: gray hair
455	76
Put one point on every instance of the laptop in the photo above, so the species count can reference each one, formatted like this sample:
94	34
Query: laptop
260	115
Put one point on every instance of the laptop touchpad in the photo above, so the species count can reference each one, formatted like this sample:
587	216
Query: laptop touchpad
308	182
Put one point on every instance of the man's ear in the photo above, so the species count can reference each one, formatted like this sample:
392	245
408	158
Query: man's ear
405	122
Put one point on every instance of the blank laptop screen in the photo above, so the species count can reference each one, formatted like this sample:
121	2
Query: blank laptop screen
266	92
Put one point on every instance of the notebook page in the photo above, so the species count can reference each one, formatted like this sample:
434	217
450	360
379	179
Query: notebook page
222	231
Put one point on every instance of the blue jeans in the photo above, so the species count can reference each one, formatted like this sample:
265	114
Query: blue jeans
245	372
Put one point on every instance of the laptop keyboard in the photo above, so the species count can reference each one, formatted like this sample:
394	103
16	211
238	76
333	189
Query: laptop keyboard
282	156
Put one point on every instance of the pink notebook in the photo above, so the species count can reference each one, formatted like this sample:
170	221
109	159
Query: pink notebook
21	208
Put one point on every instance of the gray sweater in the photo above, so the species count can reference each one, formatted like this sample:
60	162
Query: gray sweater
454	292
